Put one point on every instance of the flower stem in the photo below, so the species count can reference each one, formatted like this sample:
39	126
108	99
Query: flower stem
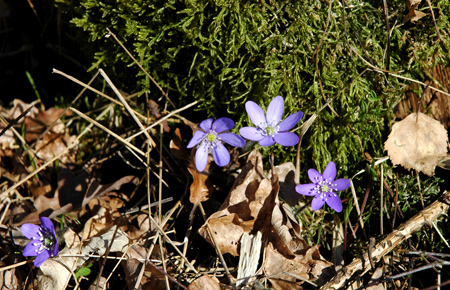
320	229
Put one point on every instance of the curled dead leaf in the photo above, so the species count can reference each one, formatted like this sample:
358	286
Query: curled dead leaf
201	188
290	273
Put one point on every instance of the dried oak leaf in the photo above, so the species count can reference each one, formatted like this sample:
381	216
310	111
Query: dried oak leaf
417	142
252	206
52	144
36	124
290	273
201	188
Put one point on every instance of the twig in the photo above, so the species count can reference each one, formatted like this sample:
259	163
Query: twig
360	266
9	125
434	20
211	234
125	104
163	119
93	122
388	38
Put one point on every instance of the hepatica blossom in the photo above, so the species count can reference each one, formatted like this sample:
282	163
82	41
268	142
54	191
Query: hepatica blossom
269	130
210	139
324	188
43	242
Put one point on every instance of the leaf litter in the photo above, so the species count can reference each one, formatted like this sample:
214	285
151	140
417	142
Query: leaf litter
136	248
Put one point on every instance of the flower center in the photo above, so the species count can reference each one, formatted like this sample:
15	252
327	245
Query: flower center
211	137
269	129
324	188
46	241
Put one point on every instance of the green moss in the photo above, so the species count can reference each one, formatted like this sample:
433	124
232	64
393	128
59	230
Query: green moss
224	53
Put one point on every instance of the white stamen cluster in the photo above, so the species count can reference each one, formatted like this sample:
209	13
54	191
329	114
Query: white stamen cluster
211	138
269	129
324	188
46	241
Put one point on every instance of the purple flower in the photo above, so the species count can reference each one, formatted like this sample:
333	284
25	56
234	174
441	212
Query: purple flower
43	241
269	129
210	138
324	188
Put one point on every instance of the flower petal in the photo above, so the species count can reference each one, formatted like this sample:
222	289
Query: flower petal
267	141
41	258
286	138
201	157
341	184
30	231
314	175
46	223
334	202
222	124
251	133
290	121
306	189
275	110
30	249
221	155
206	124
330	171
197	138
255	113
55	249
318	202
232	139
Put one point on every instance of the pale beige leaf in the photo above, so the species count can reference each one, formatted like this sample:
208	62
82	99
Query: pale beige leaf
417	143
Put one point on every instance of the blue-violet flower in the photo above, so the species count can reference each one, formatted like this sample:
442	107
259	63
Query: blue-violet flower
324	188
268	128
210	137
43	242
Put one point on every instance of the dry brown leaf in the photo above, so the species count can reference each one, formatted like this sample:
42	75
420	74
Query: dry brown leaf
36	124
104	195
417	143
201	188
413	14
286	176
55	271
253	206
8	140
154	108
153	278
289	273
52	144
11	278
205	282
177	146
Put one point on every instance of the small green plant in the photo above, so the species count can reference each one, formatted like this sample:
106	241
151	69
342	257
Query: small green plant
84	271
